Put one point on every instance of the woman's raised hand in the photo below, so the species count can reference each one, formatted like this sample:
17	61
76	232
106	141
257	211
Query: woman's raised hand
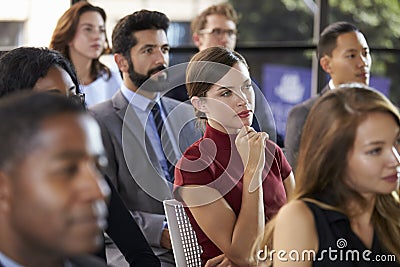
251	147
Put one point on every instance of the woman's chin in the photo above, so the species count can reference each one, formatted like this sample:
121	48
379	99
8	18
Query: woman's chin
246	122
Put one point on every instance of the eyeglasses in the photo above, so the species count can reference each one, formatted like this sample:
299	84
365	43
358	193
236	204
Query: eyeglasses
217	32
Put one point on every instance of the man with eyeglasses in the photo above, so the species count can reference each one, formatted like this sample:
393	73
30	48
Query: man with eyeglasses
215	26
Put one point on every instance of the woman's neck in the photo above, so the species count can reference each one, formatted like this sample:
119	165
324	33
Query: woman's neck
83	68
214	124
360	220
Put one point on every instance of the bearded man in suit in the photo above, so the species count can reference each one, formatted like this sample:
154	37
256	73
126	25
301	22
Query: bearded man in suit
144	133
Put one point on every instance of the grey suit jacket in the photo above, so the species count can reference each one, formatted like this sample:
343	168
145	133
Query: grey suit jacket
133	168
294	127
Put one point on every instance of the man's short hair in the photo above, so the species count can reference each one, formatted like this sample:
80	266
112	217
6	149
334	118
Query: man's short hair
21	116
122	37
224	9
22	67
328	38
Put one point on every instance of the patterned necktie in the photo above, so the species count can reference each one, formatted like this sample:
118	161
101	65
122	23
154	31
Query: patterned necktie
165	141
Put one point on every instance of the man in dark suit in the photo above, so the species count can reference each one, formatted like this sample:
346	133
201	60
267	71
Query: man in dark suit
344	54
52	196
144	133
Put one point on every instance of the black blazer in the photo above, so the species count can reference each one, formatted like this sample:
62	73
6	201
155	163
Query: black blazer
126	234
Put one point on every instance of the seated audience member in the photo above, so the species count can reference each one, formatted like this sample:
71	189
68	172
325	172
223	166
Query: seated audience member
41	69
233	180
143	131
346	209
344	54
217	26
80	35
24	68
52	196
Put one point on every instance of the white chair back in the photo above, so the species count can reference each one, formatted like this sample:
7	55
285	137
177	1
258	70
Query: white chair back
183	238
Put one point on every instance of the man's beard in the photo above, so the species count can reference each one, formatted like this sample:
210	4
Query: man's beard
139	79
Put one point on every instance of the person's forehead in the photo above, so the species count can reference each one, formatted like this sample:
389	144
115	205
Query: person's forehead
219	20
351	40
70	131
89	17
61	125
56	78
236	75
150	36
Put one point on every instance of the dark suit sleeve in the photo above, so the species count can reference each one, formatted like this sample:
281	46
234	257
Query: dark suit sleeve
122	228
294	126
126	234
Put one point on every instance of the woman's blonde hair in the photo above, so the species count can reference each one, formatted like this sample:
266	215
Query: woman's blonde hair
328	136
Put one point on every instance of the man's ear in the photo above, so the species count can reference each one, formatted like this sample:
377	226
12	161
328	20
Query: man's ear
325	63
122	62
5	192
196	40
199	104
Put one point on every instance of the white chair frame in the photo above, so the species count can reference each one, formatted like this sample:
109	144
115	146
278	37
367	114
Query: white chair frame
183	238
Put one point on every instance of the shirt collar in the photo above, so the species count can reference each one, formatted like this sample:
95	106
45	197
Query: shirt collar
223	140
6	261
137	100
331	85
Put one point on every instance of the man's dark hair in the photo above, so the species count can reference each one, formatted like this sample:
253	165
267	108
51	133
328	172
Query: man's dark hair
329	35
122	37
22	67
21	116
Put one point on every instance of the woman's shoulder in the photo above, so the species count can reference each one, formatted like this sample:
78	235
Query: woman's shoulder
295	227
280	161
199	156
295	212
272	146
114	77
193	150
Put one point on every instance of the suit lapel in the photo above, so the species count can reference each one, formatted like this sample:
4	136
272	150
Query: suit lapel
130	121
173	122
132	129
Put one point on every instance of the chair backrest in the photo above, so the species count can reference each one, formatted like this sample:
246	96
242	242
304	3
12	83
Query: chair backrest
183	238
